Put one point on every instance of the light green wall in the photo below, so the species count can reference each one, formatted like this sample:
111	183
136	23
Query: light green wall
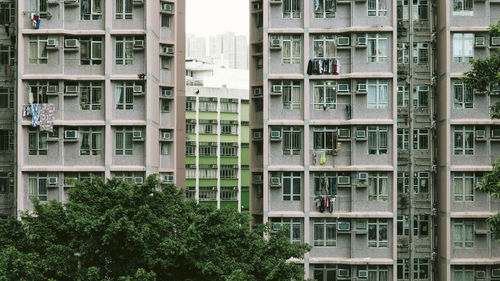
245	199
207	115
208	182
229	204
228	138
244	112
245	156
228	182
245	134
209	203
190	160
245	177
208	160
190	182
228	160
207	138
190	115
228	116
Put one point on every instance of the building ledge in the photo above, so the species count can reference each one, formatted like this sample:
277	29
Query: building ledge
485	121
342	260
465	28
472	214
27	31
294	214
319	168
64	77
128	168
475	261
63	168
471	168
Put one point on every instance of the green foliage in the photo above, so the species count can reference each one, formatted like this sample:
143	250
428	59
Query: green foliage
121	231
491	184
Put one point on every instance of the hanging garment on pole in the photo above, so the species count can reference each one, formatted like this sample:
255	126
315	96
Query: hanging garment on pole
322	159
46	117
35	114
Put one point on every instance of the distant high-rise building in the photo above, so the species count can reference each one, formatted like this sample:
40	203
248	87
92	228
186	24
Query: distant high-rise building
196	47
229	50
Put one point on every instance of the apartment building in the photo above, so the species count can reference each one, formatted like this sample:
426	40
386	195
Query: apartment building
229	50
217	147
100	92
357	119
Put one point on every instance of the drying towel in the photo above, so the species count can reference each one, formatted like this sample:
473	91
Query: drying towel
47	117
35	114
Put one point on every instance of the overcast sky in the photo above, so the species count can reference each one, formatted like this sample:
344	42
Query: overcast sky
210	17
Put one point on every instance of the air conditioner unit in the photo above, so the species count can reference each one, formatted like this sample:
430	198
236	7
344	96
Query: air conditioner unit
275	182
70	1
275	135
423	88
71	89
276	89
138	44
165	135
361	41
495	272
52	43
361	88
167	7
495	133
170	178
166	93
275	44
343	273
52	89
480	274
480	134
495	41
343	226
137	88
276	226
360	134
344	133
169	50
137	134
480	41
275	1
362	274
257	135
139	180
53	2
479	180
343	41
257	179
257	92
70	134
52	180
362	176
71	43
138	2
343	180
343	88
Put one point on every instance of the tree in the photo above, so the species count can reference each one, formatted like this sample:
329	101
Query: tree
121	231
484	75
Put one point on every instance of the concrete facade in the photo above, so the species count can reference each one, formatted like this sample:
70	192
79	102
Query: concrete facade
365	137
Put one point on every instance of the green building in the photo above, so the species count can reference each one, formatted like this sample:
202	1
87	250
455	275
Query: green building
217	150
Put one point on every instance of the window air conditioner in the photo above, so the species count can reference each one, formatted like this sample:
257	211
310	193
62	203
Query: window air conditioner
137	134
495	133
343	226
275	44
479	180
165	135
361	41
344	133
276	89
170	178
71	43
275	135
169	50
343	180
167	7
70	134
479	41
343	88
343	41
52	89
360	134
71	89
363	274
137	88
274	1
257	92
52	43
495	272
275	182
480	274
138	2
52	180
423	88
276	226
480	134
495	41
138	44
166	93
343	273
362	88
363	176
138	180
257	135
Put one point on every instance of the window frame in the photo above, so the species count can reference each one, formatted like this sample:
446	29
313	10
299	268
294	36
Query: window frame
41	56
38	186
291	43
92	13
291	9
375	8
463	7
379	241
292	192
123	9
463	47
292	140
290	90
464	195
41	146
124	95
325	95
463	96
125	135
94	148
125	46
376	182
377	133
466	226
375	95
91	100
461	146
375	46
325	9
320	227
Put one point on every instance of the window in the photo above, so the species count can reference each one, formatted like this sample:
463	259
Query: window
38	50
403	96
208	104
208	171
420	9
377	8
258	105
91	50
90	95
463	140
403	182
463	234
4	53
377	233
165	148
325	272
421	53
325	95
228	105
5	12
291	49
403	225
324	8
377	47
378	273
91	9
463	186
6	140
291	94
291	185
208	126
462	96
421	269
124	141
229	193
190	148
124	95
324	183
128	176
165	63
6	98
38	91
325	232
377	140
421	97
124	52
190	126
292	140
165	20
403	53
37	142
403	269
324	46
291	9
378	94
228	149
378	187
6	182
190	192
324	139
229	127
463	7
403	138
463	273
190	104
37	6
165	106
190	171
420	139
421	226
91	142
463	47
123	9
420	182
207	149
37	186
228	171
293	226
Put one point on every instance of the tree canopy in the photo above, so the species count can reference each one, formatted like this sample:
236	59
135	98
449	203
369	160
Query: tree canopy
122	231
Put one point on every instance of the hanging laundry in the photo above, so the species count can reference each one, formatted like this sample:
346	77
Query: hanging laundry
35	114
323	66
322	159
35	21
330	207
314	158
322	205
47	117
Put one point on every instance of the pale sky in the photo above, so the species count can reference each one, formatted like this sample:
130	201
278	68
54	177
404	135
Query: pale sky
211	17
